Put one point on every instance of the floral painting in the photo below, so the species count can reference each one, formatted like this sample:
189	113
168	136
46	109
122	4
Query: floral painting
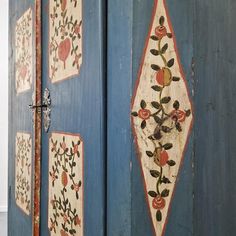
65	204
161	116
24	52
23	168
65	38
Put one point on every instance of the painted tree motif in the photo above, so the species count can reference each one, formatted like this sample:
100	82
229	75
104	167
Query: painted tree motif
23	171
65	185
161	116
65	38
24	52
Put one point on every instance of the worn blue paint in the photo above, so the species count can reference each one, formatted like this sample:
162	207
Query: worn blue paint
215	114
78	107
20	120
127	208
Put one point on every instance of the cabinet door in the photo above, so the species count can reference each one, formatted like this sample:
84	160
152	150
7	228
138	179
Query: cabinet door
73	155
22	83
150	117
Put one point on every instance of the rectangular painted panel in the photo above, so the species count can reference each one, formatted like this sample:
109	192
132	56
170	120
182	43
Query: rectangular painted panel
65	39
77	107
24	51
66	184
23	168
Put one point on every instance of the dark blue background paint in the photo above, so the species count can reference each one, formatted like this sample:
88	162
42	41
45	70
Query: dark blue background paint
20	120
78	107
128	25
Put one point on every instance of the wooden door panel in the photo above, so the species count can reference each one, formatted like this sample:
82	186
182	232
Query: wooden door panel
77	108
214	155
21	132
127	199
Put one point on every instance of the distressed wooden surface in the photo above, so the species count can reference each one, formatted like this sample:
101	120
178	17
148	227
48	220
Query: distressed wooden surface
127	208
20	119
78	108
215	114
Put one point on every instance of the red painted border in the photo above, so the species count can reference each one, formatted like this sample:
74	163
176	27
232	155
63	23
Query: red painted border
82	142
132	104
82	27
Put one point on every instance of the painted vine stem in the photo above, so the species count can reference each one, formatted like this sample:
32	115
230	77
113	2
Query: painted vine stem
24	164
166	122
69	29
65	160
23	36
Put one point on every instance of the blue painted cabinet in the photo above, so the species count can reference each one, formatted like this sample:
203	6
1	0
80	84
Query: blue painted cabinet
121	118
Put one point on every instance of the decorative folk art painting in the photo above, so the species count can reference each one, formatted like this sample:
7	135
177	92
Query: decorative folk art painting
24	52
65	216
161	116
23	171
65	38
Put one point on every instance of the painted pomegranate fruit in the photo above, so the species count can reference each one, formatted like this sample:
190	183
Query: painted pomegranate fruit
158	203
23	71
63	5
164	76
160	31
64	50
178	115
144	114
64	179
161	157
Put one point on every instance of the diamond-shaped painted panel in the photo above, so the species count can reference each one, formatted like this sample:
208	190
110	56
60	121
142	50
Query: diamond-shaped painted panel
161	116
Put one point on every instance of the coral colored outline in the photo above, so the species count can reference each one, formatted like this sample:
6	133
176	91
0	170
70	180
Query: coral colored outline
132	104
82	142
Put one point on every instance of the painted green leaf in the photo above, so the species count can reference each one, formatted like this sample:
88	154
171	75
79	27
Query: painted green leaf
159	216
152	193
149	153
168	146
156	105
155	173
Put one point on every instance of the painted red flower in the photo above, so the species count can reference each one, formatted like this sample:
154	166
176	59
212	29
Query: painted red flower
164	76
178	115
64	179
63	233
77	29
144	114
158	203
160	31
76	187
77	221
76	147
65	218
63	146
52	226
63	5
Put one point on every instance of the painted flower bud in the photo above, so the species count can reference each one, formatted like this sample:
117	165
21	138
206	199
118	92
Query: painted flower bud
64	179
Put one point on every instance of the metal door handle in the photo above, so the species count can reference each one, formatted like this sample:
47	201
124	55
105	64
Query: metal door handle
31	106
45	107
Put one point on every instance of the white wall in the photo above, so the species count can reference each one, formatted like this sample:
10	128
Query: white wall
3	103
